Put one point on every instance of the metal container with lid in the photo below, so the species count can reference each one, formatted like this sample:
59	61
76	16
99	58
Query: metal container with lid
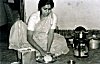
80	42
94	42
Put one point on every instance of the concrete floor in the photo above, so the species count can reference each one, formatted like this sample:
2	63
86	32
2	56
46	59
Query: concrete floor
8	56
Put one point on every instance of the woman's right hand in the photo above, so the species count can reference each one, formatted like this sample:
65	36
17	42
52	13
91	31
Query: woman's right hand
43	53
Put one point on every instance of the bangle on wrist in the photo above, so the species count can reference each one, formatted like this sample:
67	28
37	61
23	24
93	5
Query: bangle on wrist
48	52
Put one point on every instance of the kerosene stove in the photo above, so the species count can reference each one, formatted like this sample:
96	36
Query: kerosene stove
80	42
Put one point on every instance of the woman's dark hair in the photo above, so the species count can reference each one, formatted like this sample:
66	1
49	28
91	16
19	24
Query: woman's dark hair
45	2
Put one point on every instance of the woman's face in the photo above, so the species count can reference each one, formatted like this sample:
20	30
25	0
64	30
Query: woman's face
46	10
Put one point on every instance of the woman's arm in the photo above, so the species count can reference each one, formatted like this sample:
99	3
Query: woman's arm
51	32
50	39
33	43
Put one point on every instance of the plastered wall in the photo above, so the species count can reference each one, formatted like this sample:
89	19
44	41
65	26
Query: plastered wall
72	13
3	17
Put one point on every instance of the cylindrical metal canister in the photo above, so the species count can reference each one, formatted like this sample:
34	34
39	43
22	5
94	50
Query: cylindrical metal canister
94	44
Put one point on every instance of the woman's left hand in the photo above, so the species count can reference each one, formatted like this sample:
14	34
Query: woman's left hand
48	53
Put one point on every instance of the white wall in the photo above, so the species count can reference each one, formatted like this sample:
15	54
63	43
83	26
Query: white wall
72	13
31	6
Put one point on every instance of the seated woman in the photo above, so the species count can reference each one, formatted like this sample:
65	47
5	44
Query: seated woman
40	31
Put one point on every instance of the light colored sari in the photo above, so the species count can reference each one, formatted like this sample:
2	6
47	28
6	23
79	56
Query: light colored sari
59	45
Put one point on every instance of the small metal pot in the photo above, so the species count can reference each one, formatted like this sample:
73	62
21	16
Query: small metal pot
94	43
71	62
